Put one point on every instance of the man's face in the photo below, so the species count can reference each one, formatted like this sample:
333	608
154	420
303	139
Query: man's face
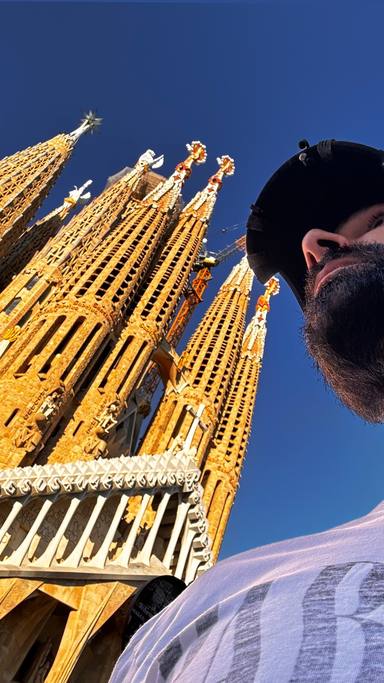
344	311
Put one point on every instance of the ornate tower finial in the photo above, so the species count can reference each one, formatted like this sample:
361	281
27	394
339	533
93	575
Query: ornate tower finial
77	196
272	288
197	153
254	337
145	162
172	186
148	160
206	199
226	167
89	123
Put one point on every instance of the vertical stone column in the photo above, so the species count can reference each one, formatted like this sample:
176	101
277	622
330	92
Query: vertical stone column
225	456
191	403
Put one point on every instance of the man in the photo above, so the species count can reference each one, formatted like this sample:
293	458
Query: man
321	215
306	610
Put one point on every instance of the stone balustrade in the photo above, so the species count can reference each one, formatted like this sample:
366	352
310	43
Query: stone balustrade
129	516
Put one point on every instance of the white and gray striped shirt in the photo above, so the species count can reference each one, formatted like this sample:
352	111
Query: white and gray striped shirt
306	610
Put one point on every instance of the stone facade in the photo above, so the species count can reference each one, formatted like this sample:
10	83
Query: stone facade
84	524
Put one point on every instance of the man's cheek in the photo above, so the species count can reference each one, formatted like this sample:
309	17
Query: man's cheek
375	236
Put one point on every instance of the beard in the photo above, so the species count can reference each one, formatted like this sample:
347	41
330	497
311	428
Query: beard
344	329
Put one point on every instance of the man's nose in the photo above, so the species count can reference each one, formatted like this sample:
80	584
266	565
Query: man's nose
317	242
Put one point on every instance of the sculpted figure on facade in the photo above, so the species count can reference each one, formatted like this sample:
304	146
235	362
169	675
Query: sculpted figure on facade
107	420
28	435
149	159
51	403
97	444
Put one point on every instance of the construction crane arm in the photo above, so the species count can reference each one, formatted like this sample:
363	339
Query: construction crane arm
210	259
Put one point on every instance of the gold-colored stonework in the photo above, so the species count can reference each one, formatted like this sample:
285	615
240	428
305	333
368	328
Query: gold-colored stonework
88	309
26	178
34	238
225	454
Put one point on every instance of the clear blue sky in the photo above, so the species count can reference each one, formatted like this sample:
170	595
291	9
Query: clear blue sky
249	80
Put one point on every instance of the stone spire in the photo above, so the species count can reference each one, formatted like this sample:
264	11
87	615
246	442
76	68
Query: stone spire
204	202
35	237
193	296
225	457
82	234
198	381
54	355
117	378
27	177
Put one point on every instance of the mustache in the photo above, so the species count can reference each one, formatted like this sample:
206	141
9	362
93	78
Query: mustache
365	251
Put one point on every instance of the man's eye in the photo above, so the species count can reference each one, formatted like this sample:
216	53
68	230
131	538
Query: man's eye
375	221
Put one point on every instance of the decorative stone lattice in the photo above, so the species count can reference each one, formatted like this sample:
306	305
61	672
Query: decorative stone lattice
63	519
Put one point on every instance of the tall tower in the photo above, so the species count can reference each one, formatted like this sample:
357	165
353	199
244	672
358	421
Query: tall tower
38	279
27	176
105	408
193	295
225	457
34	238
198	381
62	341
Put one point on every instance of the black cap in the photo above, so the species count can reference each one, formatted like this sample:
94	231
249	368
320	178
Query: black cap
318	188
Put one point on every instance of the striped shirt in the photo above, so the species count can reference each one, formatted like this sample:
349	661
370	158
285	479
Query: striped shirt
306	610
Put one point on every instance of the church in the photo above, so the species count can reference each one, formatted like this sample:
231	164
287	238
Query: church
114	496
